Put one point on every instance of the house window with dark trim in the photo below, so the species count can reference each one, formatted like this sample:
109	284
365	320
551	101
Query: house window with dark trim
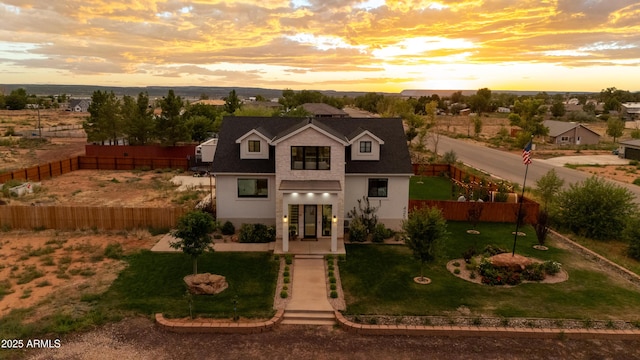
378	187
253	188
310	158
365	146
254	146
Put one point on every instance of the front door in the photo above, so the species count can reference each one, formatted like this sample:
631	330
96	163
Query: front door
310	221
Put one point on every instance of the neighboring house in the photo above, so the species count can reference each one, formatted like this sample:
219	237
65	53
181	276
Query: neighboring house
503	110
304	175
321	110
79	105
631	111
630	149
570	133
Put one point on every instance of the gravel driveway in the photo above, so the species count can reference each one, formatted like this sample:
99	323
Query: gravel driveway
140	339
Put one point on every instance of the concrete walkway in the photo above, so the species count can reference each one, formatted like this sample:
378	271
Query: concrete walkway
309	286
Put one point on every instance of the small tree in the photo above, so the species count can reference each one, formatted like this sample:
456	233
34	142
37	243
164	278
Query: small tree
426	228
548	187
615	128
193	231
474	213
542	227
366	214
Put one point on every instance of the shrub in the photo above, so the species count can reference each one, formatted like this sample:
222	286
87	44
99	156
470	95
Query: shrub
380	233
256	233
330	274
286	273
450	157
468	254
288	259
533	272
332	280
456	271
228	228
332	287
284	294
357	231
334	294
491	250
286	280
551	267
596	208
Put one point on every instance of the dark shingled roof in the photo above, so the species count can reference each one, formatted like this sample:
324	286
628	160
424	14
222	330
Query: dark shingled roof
394	154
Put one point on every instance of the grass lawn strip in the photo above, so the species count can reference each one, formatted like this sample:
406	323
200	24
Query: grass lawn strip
378	280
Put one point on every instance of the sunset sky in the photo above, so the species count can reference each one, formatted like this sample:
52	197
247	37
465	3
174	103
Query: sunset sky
373	45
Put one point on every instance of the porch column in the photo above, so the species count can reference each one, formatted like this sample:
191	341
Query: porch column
285	230
334	233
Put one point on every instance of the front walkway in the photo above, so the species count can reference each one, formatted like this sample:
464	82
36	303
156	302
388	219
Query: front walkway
309	286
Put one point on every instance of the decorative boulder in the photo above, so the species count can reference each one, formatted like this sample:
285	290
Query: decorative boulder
206	284
515	262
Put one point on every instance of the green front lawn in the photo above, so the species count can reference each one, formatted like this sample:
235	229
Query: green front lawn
429	188
153	283
378	279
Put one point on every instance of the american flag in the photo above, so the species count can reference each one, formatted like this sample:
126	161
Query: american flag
526	154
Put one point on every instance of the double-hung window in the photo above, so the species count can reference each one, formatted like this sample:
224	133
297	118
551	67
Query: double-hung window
254	146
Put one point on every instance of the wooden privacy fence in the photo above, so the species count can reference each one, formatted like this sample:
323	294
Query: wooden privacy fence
131	163
56	168
452	172
88	217
491	211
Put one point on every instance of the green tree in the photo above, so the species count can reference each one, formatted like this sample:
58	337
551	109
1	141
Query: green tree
369	101
558	109
193	231
477	126
171	127
232	102
17	99
104	123
426	231
615	128
200	127
595	208
548	187
137	119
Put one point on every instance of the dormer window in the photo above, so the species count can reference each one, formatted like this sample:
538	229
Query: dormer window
365	146
254	146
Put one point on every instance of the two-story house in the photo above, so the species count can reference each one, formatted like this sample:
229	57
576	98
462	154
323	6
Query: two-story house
305	175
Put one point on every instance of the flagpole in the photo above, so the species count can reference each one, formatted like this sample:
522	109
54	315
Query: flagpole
526	158
515	237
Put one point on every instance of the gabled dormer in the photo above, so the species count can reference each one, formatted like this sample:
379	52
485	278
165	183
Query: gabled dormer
365	145
254	144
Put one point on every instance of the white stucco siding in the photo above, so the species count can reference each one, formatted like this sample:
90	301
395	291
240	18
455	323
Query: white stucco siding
392	209
231	207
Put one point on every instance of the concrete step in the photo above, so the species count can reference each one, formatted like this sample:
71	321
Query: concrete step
309	317
308	256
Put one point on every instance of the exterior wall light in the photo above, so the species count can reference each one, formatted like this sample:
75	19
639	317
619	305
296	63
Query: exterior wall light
285	218
335	219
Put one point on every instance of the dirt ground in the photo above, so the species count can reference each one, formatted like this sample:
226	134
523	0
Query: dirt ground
60	266
111	188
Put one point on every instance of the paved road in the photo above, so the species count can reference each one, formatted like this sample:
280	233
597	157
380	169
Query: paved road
509	166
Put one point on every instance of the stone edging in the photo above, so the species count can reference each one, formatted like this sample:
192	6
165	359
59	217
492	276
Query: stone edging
230	327
464	331
629	275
